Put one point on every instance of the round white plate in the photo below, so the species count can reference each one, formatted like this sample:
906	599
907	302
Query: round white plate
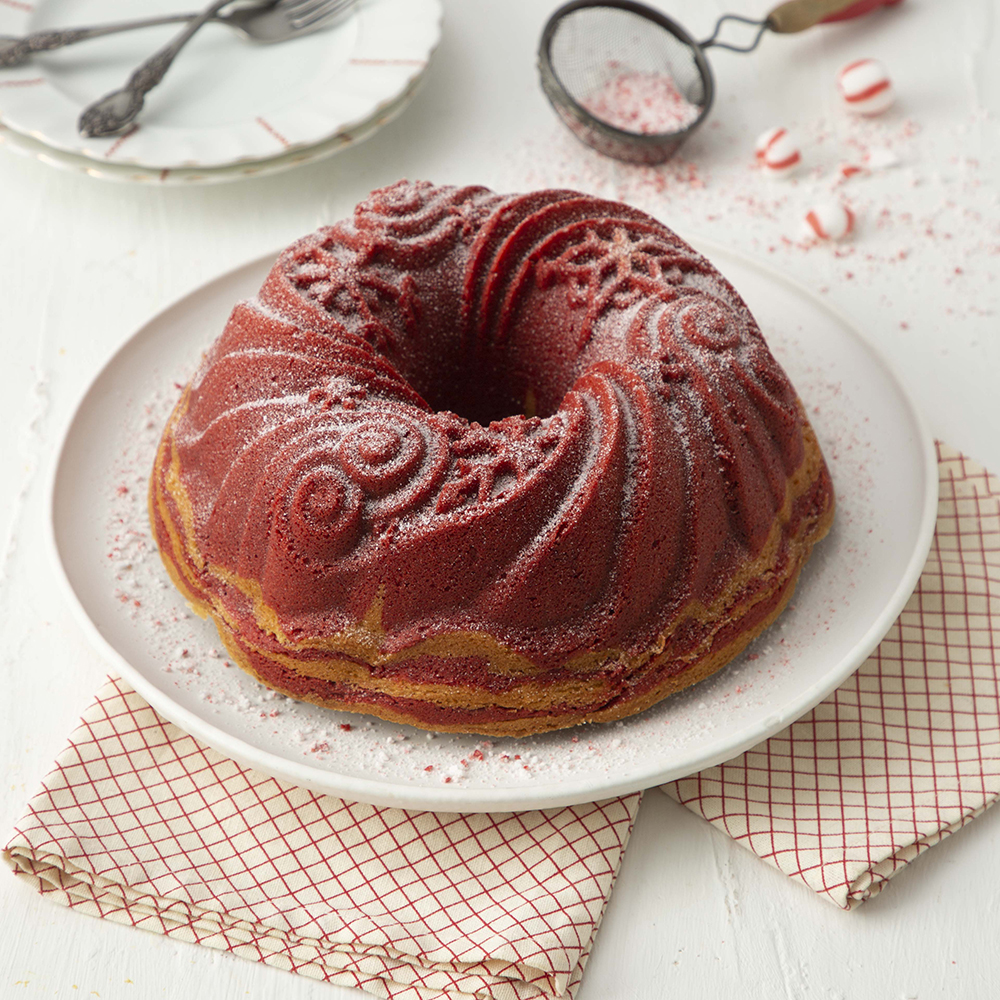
883	466
225	101
121	173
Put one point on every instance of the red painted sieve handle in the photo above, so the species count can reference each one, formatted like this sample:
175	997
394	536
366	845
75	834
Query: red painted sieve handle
797	15
858	9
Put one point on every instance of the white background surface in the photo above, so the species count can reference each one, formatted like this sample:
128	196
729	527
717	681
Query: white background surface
83	264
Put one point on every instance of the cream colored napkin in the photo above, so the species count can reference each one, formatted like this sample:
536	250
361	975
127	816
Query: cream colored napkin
907	751
141	824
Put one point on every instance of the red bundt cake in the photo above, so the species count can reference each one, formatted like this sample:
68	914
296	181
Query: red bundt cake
489	464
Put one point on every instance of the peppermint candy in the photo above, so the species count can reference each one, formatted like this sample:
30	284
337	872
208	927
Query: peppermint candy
777	152
831	220
865	87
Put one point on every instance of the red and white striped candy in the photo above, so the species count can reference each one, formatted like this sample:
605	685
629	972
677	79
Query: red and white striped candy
777	152
866	87
831	220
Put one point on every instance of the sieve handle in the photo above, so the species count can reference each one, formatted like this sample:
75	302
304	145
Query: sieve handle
797	15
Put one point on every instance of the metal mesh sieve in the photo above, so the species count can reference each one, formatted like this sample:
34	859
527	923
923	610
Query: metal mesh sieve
587	45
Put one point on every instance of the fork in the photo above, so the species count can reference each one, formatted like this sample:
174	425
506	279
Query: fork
275	21
253	23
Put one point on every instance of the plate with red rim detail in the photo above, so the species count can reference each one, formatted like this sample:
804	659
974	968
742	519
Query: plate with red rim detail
121	173
885	473
226	103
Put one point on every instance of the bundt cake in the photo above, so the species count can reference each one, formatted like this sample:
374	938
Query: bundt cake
488	463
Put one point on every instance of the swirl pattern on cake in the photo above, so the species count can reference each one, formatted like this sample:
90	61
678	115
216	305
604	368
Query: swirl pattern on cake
491	464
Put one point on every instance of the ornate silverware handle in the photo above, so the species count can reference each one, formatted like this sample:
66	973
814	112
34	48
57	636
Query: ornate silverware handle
14	51
114	112
151	72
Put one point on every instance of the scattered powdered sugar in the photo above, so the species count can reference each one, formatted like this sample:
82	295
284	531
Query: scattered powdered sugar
646	103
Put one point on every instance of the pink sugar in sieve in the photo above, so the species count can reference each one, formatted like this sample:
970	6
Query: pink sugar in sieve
634	84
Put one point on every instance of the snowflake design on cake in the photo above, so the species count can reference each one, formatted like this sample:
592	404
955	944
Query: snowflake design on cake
490	463
416	224
360	301
612	269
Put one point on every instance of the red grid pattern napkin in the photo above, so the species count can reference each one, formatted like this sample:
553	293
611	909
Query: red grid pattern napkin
141	824
907	751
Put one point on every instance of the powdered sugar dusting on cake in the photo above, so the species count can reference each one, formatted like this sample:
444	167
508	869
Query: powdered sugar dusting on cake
336	543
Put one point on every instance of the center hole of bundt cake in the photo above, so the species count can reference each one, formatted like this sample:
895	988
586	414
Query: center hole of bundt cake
529	376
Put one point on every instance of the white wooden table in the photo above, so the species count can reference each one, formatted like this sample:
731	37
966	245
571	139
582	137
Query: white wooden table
84	263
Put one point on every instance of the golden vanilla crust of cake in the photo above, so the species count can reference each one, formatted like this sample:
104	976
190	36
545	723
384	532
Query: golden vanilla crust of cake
353	490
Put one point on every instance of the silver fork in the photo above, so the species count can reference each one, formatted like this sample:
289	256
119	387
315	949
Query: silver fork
257	24
272	22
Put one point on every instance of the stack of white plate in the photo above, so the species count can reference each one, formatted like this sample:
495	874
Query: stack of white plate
228	108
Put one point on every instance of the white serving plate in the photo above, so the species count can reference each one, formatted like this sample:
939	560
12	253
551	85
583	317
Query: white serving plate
120	173
225	103
883	465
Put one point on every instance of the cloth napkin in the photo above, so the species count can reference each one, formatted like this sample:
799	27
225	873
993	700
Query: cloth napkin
905	752
141	824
